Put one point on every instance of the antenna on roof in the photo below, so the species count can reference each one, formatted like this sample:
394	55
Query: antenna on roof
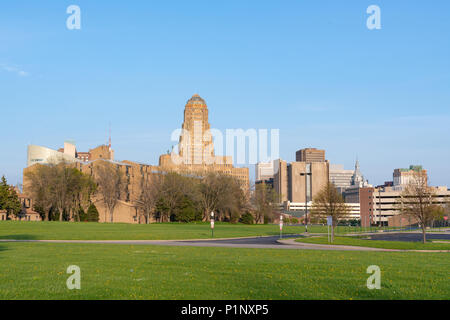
109	142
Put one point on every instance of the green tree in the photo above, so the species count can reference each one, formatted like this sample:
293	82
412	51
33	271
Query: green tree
9	200
92	214
247	218
187	211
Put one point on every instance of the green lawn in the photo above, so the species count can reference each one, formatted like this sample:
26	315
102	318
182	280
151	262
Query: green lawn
38	271
361	242
119	231
156	231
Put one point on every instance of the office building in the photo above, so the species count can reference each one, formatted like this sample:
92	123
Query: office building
310	155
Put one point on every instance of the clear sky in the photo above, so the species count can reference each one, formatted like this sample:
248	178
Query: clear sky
309	68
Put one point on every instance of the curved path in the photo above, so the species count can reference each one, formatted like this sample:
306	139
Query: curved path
266	242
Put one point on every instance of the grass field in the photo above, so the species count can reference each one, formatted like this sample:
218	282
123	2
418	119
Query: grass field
357	241
38	271
155	231
119	231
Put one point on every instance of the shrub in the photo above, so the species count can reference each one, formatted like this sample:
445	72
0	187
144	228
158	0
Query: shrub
247	218
92	214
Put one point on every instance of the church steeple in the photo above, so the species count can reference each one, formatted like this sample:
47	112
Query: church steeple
358	178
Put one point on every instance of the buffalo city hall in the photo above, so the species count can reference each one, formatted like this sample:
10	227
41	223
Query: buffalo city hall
195	157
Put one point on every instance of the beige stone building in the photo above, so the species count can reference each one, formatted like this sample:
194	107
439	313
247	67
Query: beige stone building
300	181
196	156
310	155
196	148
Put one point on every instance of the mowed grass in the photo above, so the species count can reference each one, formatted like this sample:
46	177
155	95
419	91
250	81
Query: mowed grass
120	231
56	230
361	242
38	271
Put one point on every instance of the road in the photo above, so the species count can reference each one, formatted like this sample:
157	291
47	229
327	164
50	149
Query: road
409	236
270	242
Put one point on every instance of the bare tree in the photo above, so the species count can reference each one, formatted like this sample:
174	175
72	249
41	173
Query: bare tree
264	199
61	184
416	201
173	189
81	187
39	187
150	194
329	202
111	184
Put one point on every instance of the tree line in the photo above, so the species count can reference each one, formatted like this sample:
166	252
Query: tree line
62	192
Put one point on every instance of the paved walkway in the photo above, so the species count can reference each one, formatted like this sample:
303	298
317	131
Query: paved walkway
271	242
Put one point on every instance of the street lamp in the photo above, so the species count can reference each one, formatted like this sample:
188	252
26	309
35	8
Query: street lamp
307	186
281	226
212	224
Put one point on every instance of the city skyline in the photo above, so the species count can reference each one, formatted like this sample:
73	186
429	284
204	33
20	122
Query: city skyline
316	73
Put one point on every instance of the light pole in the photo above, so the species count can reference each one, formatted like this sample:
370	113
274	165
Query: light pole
307	186
212	224
281	226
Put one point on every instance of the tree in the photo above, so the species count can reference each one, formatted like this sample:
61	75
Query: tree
232	201
61	184
92	214
246	218
210	191
81	187
174	188
264	199
111	184
222	194
40	190
329	202
9	200
186	211
150	194
416	201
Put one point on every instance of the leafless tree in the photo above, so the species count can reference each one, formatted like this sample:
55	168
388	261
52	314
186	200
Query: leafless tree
416	201
61	184
329	202
111	184
264	200
150	194
39	187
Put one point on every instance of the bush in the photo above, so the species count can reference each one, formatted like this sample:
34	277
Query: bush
186	212
247	218
92	214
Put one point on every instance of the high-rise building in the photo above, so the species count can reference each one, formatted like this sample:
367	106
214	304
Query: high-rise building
402	177
264	171
310	155
341	178
196	147
300	181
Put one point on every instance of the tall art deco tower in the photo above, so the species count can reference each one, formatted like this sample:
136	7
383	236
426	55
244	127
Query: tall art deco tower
196	146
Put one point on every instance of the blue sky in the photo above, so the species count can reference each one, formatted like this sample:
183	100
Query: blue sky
309	68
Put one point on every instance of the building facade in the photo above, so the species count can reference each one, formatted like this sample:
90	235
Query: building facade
196	147
300	181
310	155
264	171
196	155
380	205
341	178
402	177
